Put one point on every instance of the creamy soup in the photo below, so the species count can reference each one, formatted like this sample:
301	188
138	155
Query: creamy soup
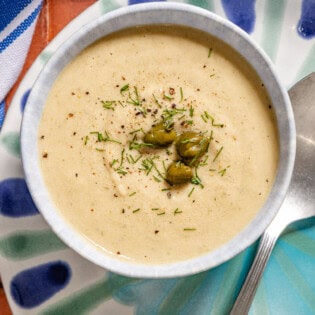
112	186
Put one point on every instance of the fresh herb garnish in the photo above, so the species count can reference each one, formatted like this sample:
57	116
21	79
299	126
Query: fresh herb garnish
136	210
209	52
189	229
137	130
132	194
181	94
121	171
147	165
139	145
108	104
124	89
122	157
156	101
191	111
133	98
206	116
218	153
156	179
177	211
113	162
191	192
104	138
86	139
223	171
196	179
168	97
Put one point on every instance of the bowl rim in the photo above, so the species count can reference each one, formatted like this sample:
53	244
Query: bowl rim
145	14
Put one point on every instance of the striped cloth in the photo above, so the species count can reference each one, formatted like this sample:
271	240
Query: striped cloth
17	23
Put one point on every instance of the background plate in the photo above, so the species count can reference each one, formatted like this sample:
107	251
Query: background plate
42	276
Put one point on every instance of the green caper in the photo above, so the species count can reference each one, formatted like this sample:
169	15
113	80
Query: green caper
161	134
191	146
178	173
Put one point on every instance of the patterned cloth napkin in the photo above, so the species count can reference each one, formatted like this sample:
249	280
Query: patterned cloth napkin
17	22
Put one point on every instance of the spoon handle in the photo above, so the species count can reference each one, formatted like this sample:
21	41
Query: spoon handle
247	293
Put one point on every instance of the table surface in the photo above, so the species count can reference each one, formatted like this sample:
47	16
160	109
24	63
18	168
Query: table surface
287	287
55	15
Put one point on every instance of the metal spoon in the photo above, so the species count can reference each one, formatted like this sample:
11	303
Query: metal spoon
300	200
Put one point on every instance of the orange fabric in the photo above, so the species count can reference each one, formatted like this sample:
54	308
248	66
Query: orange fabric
4	306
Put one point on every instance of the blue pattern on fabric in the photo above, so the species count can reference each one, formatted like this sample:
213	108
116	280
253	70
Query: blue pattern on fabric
131	2
2	113
24	99
9	10
241	12
15	199
20	29
306	25
33	286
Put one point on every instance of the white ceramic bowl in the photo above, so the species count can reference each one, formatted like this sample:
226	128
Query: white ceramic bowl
145	14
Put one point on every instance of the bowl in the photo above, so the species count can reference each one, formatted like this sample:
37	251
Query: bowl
148	14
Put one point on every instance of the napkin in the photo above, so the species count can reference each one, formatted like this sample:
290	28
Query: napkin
17	22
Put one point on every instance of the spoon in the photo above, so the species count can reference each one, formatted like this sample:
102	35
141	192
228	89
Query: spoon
300	200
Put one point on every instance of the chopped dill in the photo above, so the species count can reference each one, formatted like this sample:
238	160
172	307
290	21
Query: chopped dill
196	179
136	210
203	118
191	111
139	145
108	104
86	139
218	153
124	89
155	209
170	113
99	150
177	211
161	213
168	97
204	162
209	52
191	192
211	137
133	160
113	162
147	165
208	116
189	229
104	138
121	171
132	194
122	157
181	94
134	99
156	179
223	171
137	130
156	101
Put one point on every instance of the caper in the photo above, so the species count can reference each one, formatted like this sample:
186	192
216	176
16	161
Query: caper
191	146
178	173
161	134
